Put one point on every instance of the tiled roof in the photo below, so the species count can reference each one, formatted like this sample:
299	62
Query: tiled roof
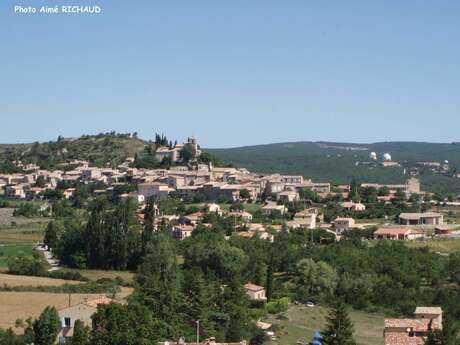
253	287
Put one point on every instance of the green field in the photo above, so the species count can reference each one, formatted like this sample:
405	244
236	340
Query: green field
11	250
302	322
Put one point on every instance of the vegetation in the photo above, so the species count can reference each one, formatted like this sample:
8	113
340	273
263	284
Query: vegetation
339	163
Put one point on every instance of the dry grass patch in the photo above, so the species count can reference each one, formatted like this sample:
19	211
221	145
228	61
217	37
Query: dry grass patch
16	280
21	305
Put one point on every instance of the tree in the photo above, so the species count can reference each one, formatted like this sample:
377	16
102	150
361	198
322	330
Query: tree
244	193
316	278
269	283
52	232
339	328
131	324
46	327
158	279
188	153
81	335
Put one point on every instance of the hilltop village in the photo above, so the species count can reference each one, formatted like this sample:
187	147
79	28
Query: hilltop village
266	243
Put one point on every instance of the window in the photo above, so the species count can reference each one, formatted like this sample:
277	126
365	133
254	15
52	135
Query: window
67	321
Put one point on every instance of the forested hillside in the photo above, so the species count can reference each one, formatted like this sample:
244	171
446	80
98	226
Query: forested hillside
341	162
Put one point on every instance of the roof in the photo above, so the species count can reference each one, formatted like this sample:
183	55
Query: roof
95	302
417	325
428	310
416	216
396	231
263	325
253	287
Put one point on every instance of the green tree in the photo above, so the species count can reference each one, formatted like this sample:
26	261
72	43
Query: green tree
269	283
158	279
46	327
131	324
52	233
339	328
81	334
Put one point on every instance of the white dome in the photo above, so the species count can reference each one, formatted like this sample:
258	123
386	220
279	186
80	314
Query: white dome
386	157
373	156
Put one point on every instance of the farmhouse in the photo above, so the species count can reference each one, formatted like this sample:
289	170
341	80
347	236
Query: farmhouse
398	234
82	311
181	232
427	218
413	331
255	292
343	224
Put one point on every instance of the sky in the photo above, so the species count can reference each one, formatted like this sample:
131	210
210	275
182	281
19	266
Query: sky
233	72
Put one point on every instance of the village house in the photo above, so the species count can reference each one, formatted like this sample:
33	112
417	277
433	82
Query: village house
288	196
352	206
427	218
255	292
415	330
343	224
181	232
156	189
398	234
82	311
243	215
272	209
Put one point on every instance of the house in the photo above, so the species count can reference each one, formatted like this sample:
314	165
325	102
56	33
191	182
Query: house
413	331
18	191
427	218
255	292
350	205
443	230
304	219
342	224
398	234
288	196
181	232
192	218
245	216
156	189
214	208
82	311
272	208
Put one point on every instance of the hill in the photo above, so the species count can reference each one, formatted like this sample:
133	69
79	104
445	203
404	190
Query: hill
112	148
341	162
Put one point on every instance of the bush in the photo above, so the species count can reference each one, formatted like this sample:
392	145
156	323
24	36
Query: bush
278	305
25	265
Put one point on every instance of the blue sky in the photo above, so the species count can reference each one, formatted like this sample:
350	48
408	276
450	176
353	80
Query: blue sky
233	72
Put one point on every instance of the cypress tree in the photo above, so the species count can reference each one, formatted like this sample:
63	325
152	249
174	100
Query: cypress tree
269	283
339	329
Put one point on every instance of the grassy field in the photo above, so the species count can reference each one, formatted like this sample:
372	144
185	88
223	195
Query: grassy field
21	305
98	274
20	229
302	322
442	245
10	249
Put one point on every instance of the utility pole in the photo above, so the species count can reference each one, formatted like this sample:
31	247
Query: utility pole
197	332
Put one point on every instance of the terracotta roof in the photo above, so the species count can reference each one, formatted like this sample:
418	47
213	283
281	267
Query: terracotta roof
417	325
253	287
95	302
